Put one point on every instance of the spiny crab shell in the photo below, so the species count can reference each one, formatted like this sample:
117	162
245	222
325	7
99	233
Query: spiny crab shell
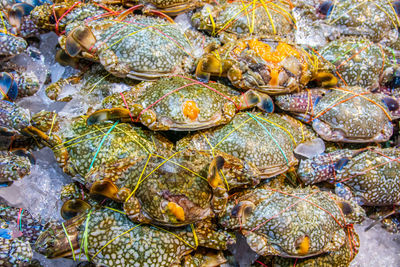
246	17
137	47
179	103
267	64
294	223
267	141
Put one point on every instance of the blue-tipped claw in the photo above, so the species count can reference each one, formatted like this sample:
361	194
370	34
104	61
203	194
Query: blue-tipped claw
9	88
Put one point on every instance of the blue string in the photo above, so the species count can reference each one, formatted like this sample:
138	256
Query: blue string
101	143
273	139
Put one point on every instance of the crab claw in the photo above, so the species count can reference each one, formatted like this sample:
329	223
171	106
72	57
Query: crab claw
105	188
211	65
325	8
16	14
112	114
80	37
325	79
74	207
213	174
243	210
391	103
254	98
9	88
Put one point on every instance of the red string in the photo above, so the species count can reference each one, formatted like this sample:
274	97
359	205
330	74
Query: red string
126	105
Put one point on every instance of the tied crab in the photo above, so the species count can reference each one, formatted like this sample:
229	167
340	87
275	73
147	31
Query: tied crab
172	189
108	238
360	62
375	20
267	141
179	103
14	165
122	45
369	176
292	223
266	64
78	147
243	18
348	114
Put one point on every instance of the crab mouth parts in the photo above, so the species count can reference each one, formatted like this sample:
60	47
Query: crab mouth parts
197	125
147	76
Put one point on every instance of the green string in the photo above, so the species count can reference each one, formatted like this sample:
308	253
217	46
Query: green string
85	237
273	139
101	143
69	241
20	219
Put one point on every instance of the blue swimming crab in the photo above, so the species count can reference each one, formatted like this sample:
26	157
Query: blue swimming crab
108	238
78	147
121	45
13	121
11	45
243	18
172	189
360	62
267	64
18	231
18	84
179	103
339	258
369	176
348	114
293	223
267	141
375	20
14	165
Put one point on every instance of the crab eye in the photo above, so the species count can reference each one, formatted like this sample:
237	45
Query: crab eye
325	8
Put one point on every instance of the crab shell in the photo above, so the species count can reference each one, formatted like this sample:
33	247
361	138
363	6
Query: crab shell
371	175
77	149
15	252
180	103
359	62
11	45
267	141
173	190
266	64
340	258
375	20
258	18
342	115
132	244
13	119
13	166
293	223
124	49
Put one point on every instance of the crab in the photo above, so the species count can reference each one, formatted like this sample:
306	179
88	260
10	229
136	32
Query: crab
13	121
340	258
172	189
360	62
122	45
55	17
17	84
18	230
14	165
347	114
369	176
267	141
266	64
241	18
169	7
179	103
111	239
375	20
291	223
11	45
78	147
94	85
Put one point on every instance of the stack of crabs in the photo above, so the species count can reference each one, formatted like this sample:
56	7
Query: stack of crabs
231	125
